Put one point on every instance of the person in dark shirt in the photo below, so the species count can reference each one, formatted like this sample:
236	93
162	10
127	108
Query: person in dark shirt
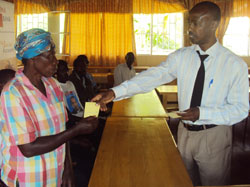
81	81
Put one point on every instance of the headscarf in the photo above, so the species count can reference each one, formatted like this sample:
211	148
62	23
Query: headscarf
32	43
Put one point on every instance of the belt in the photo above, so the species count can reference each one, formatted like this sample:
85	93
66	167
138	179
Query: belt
198	127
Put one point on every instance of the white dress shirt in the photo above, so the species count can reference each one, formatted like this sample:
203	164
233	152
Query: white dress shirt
225	99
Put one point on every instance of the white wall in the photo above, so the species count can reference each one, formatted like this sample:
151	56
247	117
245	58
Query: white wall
148	60
7	36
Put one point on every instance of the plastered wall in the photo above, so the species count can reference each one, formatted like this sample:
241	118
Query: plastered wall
147	60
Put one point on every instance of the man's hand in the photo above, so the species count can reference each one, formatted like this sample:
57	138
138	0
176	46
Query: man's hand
103	98
191	114
86	125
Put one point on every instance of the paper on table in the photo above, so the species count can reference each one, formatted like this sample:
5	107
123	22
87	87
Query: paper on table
91	109
173	114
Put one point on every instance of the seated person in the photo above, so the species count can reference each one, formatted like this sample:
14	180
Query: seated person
5	76
82	83
82	148
124	71
71	98
84	58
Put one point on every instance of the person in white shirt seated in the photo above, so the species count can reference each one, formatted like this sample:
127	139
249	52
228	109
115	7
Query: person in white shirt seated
82	148
125	71
72	101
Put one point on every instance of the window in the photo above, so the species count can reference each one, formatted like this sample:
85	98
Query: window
158	34
55	22
29	21
236	37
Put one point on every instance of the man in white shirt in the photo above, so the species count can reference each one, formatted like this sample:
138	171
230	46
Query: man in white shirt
125	71
221	79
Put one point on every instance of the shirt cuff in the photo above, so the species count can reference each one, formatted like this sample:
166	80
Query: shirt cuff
204	114
119	91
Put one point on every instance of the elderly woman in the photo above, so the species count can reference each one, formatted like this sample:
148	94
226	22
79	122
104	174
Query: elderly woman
34	134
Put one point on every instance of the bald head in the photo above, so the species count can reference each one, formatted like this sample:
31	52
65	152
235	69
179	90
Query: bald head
207	7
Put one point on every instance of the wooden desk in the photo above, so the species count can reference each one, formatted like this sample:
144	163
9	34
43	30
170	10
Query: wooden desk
138	152
168	93
141	68
141	105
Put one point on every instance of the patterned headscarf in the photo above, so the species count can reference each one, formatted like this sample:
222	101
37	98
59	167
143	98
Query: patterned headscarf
33	42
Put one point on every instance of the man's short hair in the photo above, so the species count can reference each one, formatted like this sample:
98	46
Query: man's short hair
213	9
79	59
129	55
62	63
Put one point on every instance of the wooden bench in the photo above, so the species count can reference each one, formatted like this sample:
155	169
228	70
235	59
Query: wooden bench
168	96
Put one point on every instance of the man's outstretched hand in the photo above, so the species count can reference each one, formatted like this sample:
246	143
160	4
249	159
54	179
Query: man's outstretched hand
103	98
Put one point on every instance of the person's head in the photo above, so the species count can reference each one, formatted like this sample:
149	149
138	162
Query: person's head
130	58
204	18
62	71
80	65
36	49
83	58
74	103
5	76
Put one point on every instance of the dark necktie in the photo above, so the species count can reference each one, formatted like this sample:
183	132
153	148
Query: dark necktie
199	83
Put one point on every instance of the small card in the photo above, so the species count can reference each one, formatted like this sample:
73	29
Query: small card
173	114
91	109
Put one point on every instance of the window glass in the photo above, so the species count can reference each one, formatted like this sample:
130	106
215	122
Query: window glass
236	37
158	34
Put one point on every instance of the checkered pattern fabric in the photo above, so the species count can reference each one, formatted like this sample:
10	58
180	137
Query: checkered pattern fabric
28	115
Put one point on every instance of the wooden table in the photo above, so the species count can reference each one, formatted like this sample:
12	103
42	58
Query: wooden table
168	93
141	105
138	152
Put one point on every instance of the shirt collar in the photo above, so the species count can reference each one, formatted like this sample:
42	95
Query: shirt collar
212	51
21	77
